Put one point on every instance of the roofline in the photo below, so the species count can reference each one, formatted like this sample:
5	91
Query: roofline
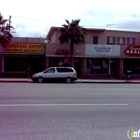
51	31
95	29
123	31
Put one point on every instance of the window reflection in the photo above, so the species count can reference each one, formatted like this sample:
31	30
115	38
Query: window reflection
97	66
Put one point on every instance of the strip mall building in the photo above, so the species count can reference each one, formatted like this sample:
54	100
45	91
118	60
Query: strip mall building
105	54
23	57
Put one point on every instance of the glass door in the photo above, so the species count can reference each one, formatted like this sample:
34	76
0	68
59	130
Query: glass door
114	68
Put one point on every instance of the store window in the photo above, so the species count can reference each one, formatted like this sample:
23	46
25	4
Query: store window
131	64
58	61
16	64
97	66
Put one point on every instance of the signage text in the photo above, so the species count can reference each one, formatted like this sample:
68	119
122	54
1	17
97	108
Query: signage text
133	50
103	49
25	48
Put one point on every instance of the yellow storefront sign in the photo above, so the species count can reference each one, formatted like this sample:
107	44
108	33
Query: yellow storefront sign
25	48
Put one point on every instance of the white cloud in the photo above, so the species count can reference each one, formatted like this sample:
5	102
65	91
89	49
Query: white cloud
34	18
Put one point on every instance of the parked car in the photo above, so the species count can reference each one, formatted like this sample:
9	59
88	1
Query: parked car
67	74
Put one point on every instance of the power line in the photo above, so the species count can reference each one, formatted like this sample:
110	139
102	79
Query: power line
40	20
94	26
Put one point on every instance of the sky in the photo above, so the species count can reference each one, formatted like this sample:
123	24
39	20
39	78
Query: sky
34	18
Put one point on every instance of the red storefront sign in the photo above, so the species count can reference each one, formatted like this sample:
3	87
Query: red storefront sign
62	51
133	50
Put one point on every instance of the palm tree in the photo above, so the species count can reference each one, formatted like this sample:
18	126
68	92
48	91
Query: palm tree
72	33
5	35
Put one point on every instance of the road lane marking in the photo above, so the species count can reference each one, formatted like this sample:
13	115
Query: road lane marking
34	105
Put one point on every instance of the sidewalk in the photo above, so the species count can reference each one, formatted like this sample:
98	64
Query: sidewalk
26	80
106	81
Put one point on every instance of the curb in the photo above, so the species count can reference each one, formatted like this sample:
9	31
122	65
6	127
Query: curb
108	82
14	81
78	81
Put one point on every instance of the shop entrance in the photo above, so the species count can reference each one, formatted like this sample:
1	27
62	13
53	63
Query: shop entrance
114	68
77	67
38	64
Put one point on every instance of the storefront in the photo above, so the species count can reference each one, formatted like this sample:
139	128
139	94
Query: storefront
101	61
131	60
58	55
22	59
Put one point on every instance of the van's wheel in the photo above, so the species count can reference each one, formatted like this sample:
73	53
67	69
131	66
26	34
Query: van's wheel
68	80
40	79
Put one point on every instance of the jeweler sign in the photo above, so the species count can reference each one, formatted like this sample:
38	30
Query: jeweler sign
133	50
103	49
25	48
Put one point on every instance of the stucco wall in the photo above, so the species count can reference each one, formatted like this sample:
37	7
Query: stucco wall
51	47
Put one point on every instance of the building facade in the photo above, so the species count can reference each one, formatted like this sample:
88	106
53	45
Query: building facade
105	54
22	57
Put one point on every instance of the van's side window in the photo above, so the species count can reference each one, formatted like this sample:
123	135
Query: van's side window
64	70
51	70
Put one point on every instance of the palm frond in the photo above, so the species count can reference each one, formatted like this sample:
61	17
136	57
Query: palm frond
67	21
73	32
5	36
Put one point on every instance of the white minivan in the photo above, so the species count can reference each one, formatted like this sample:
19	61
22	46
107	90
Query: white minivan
56	74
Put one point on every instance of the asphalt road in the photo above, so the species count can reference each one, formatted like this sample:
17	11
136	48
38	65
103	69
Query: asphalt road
51	111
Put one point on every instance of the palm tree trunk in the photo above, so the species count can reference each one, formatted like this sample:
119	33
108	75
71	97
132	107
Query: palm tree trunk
71	54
